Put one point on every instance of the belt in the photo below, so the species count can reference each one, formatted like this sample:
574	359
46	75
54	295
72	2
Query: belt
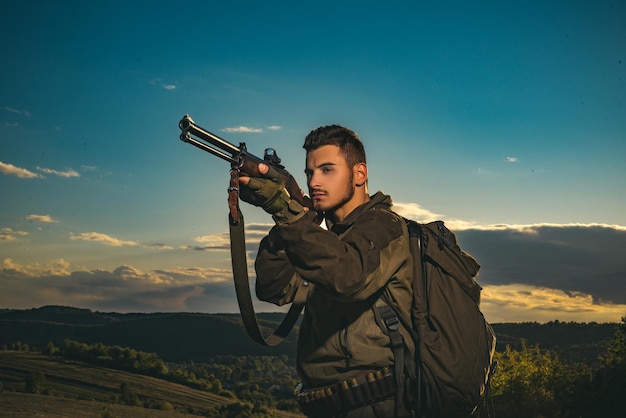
366	388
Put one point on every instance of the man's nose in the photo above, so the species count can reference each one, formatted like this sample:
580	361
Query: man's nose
313	181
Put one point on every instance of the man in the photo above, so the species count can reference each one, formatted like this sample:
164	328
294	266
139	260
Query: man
344	358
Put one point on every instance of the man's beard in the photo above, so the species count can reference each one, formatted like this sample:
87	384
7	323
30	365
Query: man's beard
346	198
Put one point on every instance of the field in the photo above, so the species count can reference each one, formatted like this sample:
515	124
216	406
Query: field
77	390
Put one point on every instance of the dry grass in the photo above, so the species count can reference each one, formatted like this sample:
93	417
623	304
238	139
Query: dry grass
78	390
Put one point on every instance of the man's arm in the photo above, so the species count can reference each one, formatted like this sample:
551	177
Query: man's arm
277	280
351	268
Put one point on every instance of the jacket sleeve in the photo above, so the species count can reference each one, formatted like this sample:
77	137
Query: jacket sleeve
276	278
350	267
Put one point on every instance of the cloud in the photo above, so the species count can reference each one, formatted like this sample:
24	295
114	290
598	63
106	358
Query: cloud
41	218
125	289
115	242
218	241
240	129
159	81
537	272
221	241
159	246
417	213
11	269
16	111
509	303
67	173
11	170
585	259
275	128
512	160
8	234
102	238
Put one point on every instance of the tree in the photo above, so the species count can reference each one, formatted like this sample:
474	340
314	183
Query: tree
609	381
50	349
35	382
530	383
127	396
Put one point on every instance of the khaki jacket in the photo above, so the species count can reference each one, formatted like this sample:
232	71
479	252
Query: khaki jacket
346	268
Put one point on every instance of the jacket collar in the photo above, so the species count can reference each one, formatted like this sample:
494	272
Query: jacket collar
377	201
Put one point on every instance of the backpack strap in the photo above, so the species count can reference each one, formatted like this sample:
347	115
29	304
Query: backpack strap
392	324
408	370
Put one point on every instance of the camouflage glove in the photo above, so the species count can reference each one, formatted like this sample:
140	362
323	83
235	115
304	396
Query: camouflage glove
269	193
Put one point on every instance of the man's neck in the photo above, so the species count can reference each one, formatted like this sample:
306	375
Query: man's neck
342	213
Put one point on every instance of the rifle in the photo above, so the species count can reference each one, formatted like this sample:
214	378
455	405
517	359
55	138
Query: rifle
242	162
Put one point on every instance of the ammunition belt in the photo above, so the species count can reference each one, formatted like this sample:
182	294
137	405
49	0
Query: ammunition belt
364	389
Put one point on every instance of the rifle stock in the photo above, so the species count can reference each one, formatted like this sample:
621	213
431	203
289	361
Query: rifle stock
238	157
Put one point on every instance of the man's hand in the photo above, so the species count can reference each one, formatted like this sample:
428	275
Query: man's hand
269	193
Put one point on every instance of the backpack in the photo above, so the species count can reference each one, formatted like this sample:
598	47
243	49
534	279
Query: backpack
450	375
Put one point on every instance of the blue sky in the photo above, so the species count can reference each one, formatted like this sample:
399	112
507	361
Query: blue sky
505	119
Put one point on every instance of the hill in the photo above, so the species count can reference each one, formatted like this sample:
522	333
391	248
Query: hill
200	337
80	390
173	336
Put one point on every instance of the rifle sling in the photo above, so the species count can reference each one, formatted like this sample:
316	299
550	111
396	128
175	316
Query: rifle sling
244	297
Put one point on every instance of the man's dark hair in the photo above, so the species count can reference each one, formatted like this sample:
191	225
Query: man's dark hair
348	141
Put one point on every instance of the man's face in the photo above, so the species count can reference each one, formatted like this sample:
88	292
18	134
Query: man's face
330	180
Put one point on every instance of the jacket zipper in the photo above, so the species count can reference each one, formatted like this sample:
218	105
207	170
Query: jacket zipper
345	346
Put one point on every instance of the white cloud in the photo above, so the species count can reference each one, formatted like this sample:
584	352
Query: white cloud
512	159
214	240
41	218
8	234
115	242
58	267
275	128
126	273
102	238
415	212
221	241
159	246
16	111
67	173
169	86
240	129
11	170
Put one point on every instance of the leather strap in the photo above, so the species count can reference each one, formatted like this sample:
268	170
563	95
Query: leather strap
242	281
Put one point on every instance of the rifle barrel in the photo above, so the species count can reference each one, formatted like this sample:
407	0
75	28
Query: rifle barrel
188	126
218	153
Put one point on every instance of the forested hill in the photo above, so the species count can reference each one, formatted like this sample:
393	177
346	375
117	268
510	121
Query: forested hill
173	336
199	337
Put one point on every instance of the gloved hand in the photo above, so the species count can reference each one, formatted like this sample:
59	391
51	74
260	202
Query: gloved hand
269	193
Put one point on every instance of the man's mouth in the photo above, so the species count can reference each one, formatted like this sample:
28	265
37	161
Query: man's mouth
318	194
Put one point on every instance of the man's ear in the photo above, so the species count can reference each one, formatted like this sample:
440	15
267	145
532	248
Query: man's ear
360	174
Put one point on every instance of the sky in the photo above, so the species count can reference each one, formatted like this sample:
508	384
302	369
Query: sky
507	120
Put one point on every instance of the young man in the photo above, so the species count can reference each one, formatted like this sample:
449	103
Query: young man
344	358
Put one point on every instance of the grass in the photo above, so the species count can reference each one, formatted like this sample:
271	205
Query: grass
74	389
